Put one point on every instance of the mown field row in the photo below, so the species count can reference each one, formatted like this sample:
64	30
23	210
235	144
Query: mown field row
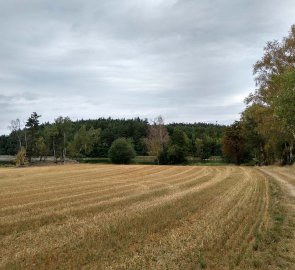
141	217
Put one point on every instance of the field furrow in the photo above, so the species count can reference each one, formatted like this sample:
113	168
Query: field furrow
132	217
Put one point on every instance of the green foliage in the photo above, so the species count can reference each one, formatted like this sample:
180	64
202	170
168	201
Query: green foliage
42	148
112	129
252	120
83	141
63	127
284	102
233	143
8	145
269	120
32	126
121	151
202	140
21	157
177	148
178	137
93	138
163	157
200	149
33	121
175	154
211	147
172	154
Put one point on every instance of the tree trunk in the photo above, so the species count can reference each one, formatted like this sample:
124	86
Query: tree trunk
26	140
54	153
19	141
64	149
291	147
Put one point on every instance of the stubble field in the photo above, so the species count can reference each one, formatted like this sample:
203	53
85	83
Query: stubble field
144	217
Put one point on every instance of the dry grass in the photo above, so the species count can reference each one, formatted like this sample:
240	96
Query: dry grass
286	177
141	217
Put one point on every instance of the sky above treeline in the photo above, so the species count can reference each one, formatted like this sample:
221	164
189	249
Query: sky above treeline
187	60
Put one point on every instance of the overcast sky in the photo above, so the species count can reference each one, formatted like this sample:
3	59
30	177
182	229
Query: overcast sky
188	60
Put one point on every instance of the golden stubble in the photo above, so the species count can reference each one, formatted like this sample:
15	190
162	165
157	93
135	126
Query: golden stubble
131	217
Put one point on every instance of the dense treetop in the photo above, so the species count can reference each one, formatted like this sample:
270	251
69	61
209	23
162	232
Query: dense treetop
94	137
267	126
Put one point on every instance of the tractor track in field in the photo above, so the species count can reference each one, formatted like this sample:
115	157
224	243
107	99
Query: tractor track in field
286	178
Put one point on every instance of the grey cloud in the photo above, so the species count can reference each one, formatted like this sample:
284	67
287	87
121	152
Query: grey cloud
187	60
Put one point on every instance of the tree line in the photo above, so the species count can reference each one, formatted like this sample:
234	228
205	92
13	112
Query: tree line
95	137
265	133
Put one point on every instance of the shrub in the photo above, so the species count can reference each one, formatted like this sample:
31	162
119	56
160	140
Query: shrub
175	154
21	157
163	157
121	151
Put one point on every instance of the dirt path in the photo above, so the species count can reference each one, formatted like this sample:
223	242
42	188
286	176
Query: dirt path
286	177
277	174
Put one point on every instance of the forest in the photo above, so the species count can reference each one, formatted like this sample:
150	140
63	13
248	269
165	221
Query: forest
94	138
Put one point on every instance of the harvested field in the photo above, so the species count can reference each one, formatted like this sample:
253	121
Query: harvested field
142	217
285	175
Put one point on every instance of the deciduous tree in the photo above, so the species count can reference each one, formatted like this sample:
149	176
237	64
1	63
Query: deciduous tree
63	126
15	127
84	141
233	143
157	138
